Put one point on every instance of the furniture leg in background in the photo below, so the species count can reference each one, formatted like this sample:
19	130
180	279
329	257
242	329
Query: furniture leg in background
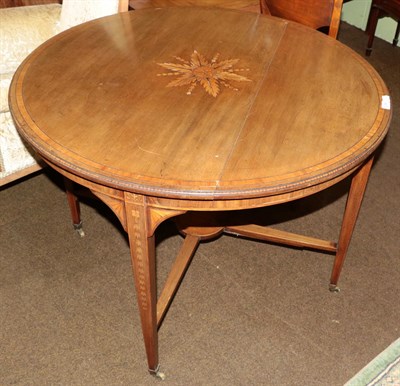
379	9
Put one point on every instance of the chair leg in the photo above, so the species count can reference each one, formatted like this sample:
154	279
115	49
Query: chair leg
74	207
264	8
396	35
371	27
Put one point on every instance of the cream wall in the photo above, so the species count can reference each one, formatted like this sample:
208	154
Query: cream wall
356	13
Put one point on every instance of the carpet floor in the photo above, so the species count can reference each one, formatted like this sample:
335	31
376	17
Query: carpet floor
247	313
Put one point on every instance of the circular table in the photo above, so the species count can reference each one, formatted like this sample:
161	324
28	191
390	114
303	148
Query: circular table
164	111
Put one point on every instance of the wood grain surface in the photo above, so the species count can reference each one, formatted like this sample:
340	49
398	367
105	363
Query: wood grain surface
92	101
245	5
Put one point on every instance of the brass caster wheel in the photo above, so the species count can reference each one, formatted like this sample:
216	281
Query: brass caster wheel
160	375
334	288
79	230
157	373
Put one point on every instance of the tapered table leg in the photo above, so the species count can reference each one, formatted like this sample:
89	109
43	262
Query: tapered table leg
74	207
141	240
354	199
396	34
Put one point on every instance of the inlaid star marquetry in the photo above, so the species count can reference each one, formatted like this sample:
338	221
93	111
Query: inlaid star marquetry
209	74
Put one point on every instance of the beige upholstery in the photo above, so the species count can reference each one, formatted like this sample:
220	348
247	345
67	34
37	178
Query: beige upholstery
22	29
88	10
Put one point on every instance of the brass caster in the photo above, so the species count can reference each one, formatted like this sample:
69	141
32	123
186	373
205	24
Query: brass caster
79	230
334	288
157	373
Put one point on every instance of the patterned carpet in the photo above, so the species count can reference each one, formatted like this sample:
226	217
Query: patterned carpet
384	370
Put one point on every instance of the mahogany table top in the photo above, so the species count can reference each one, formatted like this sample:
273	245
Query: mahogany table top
199	103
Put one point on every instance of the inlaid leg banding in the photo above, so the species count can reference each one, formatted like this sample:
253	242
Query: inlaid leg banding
142	221
142	249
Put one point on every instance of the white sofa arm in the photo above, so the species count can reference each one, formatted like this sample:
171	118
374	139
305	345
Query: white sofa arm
22	29
5	80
